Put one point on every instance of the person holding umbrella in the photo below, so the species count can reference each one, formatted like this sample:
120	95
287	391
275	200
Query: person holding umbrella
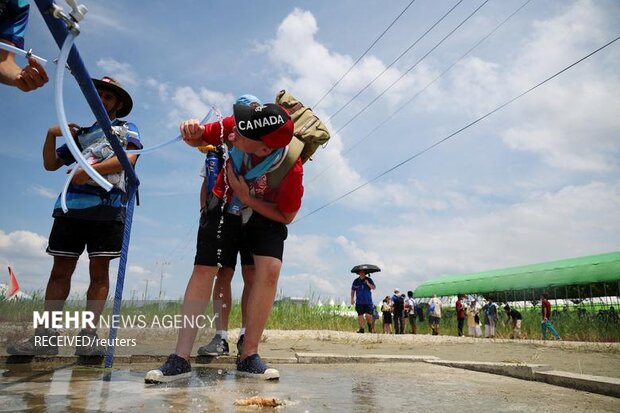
361	295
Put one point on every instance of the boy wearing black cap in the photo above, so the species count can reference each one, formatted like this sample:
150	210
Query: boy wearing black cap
245	214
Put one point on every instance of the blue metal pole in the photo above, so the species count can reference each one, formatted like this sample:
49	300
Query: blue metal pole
120	279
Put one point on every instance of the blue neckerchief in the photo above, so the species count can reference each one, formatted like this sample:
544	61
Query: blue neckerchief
256	171
252	174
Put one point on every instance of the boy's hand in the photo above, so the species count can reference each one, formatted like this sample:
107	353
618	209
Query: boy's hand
191	131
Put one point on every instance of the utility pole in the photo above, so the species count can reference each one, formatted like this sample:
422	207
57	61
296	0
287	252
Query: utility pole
162	264
146	290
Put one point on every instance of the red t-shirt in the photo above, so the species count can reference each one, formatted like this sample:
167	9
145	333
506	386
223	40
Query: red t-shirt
287	196
546	309
460	310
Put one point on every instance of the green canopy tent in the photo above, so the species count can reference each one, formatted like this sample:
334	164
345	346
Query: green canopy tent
574	278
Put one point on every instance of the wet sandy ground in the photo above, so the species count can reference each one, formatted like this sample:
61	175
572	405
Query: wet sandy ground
309	388
599	359
319	388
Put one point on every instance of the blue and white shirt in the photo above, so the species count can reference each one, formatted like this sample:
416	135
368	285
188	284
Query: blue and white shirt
90	201
13	21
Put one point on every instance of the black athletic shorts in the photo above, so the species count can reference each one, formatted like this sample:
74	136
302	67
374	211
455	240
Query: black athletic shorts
220	240
69	236
364	309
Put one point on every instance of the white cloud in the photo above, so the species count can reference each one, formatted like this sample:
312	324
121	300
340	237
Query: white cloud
311	80
137	269
44	192
573	221
25	243
25	252
420	244
123	72
570	122
162	88
102	18
191	104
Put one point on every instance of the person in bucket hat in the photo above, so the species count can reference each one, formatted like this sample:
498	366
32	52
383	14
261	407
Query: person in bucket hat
244	213
125	103
94	220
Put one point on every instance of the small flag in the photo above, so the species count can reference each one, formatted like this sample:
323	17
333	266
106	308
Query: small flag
13	285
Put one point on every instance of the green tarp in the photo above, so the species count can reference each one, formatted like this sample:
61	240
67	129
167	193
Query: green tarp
591	276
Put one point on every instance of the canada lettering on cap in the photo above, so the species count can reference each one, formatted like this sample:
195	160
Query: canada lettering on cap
269	123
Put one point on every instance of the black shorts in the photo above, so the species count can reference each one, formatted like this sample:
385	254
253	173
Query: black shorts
69	236
364	309
220	240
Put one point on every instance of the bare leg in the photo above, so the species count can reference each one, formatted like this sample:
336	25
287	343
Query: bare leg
259	301
195	302
370	322
222	297
99	286
248	272
59	284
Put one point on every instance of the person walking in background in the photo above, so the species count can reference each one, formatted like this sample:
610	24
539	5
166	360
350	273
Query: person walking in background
490	318
515	318
410	305
434	314
386	312
361	296
473	319
460	315
403	322
546	318
398	309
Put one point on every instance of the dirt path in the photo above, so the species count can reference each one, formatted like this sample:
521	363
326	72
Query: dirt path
600	359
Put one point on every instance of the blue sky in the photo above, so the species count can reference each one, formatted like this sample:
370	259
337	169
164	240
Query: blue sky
536	181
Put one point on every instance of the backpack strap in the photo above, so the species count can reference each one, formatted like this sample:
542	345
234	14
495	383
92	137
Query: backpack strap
274	178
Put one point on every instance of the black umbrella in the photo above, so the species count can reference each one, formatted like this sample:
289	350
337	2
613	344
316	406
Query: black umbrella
368	268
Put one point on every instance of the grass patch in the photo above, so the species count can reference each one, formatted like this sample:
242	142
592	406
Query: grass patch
573	325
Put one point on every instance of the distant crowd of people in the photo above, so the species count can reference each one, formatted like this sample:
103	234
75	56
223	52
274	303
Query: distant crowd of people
401	313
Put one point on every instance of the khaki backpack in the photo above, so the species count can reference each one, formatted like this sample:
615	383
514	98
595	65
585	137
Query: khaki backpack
310	133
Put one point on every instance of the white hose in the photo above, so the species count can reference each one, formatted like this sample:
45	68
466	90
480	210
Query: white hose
161	145
63	196
20	52
62	119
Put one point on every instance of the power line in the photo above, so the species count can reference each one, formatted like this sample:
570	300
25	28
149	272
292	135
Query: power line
439	142
395	60
184	240
403	106
411	68
363	54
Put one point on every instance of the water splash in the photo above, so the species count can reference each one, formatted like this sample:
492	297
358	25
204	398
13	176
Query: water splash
220	119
